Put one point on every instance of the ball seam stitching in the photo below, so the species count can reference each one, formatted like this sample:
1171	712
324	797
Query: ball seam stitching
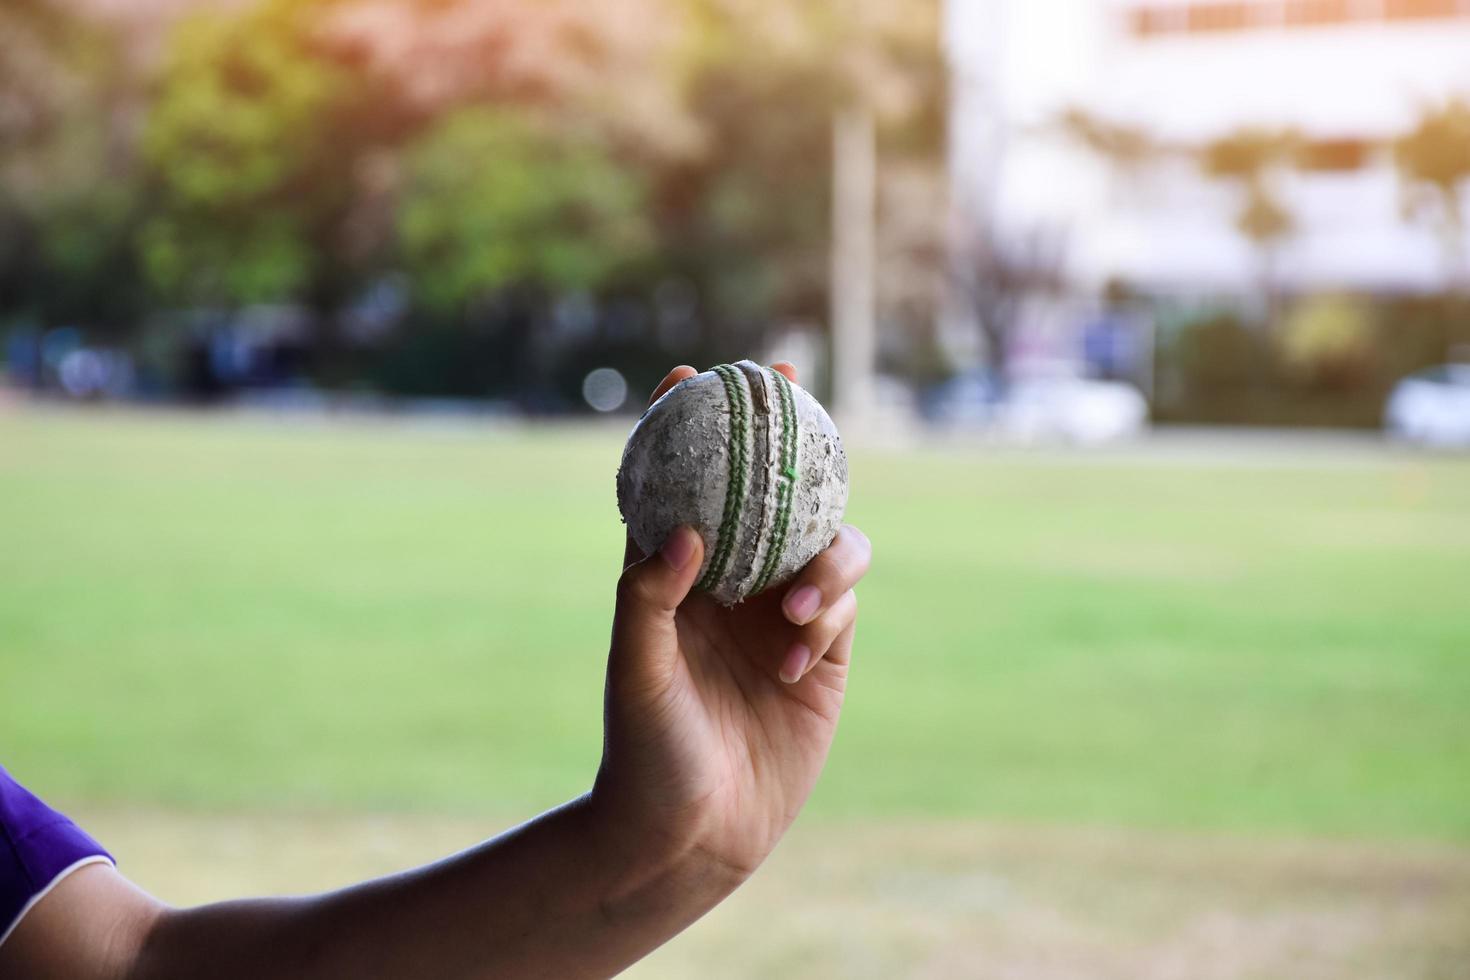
785	489
735	489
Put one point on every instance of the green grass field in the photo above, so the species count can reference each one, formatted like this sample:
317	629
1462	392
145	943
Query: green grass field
217	613
1142	716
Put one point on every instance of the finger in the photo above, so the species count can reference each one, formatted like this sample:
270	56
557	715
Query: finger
817	637
681	373
828	575
786	368
649	592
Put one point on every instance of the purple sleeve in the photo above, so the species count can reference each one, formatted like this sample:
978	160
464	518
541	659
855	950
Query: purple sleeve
37	844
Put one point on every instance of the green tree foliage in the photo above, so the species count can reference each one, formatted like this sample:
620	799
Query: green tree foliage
1329	341
294	144
1221	356
493	199
84	268
279	151
241	142
69	196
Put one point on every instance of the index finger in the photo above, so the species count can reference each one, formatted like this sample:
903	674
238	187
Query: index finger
684	372
681	373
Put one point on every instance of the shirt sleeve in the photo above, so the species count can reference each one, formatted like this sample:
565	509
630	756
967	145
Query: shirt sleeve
38	848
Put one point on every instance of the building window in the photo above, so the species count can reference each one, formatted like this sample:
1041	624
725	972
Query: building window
1150	20
1147	21
1306	13
1203	17
1422	9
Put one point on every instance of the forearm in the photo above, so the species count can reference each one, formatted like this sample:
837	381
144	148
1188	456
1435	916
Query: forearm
562	896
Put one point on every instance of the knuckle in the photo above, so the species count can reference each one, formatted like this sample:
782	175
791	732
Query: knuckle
845	611
831	624
861	543
818	572
631	587
841	564
823	568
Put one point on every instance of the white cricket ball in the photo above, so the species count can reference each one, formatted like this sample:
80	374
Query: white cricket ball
750	461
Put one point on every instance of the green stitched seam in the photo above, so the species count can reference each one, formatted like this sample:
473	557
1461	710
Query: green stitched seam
786	488
739	467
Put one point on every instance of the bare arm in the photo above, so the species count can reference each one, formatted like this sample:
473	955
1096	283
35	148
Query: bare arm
554	898
718	723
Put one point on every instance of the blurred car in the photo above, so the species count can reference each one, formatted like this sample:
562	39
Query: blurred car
967	399
1432	407
1047	408
1072	409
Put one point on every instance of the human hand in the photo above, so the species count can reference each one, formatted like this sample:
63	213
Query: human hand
719	720
718	723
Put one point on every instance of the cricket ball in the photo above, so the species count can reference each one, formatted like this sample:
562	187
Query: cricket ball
750	461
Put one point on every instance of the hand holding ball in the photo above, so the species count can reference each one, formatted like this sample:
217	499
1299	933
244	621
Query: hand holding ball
751	462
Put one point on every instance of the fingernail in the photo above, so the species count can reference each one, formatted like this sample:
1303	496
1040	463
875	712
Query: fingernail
802	604
795	663
678	548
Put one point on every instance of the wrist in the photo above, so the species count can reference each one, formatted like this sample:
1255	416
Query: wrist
648	859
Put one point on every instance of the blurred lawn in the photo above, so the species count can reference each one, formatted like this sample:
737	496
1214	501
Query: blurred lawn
221	613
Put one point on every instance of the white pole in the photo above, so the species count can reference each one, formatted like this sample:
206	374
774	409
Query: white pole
854	340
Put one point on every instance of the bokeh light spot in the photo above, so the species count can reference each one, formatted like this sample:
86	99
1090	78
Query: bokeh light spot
605	389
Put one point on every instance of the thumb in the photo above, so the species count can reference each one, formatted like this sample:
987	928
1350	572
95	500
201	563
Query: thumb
649	593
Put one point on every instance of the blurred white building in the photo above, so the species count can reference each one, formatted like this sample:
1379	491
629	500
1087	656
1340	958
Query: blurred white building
1348	75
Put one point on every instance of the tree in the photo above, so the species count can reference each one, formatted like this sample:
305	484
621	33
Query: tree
45	51
603	63
302	151
69	201
724	105
1434	164
747	215
242	144
1328	340
1253	159
494	199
